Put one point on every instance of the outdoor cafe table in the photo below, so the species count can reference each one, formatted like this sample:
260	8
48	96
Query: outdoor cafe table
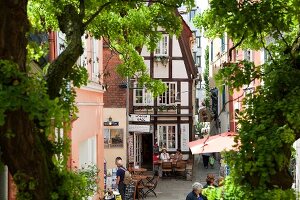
139	171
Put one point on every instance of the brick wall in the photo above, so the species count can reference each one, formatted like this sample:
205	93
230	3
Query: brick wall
115	96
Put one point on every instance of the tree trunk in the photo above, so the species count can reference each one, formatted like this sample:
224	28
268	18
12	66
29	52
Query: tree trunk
23	148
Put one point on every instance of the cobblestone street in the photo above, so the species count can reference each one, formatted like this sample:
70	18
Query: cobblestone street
172	189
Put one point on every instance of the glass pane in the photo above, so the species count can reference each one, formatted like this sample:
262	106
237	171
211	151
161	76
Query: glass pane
165	45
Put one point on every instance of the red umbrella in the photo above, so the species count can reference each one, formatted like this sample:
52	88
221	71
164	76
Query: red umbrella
215	143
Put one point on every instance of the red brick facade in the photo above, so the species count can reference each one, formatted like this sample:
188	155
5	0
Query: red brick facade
115	96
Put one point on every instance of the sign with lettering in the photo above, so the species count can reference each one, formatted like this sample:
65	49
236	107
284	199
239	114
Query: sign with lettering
184	137
139	118
139	128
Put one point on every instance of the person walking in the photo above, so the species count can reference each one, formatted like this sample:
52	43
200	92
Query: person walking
120	177
196	193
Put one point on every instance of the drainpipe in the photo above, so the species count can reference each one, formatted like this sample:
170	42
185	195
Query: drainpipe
52	46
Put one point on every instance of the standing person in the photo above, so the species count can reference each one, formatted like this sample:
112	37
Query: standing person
210	180
196	193
205	157
120	177
209	190
178	155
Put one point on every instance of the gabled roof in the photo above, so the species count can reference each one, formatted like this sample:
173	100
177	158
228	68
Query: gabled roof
185	46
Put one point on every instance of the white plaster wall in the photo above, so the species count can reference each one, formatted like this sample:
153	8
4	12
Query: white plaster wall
160	71
147	63
179	70
184	94
185	111
176	51
145	51
163	119
118	115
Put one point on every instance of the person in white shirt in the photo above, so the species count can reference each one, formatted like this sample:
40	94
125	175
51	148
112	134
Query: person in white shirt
164	156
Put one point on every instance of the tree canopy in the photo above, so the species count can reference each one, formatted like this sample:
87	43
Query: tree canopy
270	121
32	105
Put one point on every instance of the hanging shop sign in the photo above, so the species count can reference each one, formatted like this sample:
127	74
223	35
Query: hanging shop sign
139	118
139	128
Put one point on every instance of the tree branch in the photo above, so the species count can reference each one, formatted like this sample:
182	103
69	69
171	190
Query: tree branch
235	46
81	9
71	24
93	16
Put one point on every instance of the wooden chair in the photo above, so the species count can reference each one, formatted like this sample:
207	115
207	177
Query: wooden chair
166	167
180	168
150	186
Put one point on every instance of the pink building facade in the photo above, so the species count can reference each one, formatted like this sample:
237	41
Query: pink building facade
87	144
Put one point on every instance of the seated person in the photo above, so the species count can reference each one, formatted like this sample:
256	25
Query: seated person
178	155
164	156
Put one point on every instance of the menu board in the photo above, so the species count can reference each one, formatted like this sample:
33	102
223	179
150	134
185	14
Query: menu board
184	137
130	149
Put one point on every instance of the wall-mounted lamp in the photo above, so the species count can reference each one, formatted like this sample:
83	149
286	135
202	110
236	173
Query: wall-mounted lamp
110	122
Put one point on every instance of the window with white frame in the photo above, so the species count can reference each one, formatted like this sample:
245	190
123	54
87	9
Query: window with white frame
61	42
88	152
198	41
192	14
167	137
95	60
142	97
248	55
83	57
248	92
59	138
162	46
223	44
169	96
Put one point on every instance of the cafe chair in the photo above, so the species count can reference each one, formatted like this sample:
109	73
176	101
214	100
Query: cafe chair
150	186
180	168
140	191
166	167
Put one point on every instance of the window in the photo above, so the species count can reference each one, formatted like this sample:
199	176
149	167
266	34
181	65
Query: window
247	55
192	14
83	57
113	138
249	92
162	46
223	45
95	60
142	97
198	61
223	96
88	152
168	97
198	41
194	56
211	51
266	55
167	136
61	42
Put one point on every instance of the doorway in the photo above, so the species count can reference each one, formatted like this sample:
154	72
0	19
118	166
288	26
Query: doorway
147	151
